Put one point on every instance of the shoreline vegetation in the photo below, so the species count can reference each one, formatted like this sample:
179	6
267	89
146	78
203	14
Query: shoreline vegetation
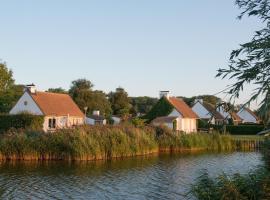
255	185
109	142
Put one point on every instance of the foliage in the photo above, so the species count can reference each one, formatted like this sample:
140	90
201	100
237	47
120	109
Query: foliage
162	108
206	98
250	63
82	143
240	129
210	142
142	105
57	90
253	186
9	93
138	122
24	121
10	97
82	93
6	78
120	102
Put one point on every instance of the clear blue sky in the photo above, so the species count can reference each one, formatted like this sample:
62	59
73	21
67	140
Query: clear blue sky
142	45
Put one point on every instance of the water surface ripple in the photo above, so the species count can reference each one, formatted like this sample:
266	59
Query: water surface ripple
158	177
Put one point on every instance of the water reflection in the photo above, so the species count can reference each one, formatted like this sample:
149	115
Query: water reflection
155	177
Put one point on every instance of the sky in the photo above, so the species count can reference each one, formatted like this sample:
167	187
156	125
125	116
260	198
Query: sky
143	46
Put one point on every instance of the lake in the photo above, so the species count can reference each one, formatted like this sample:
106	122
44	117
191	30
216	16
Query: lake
153	177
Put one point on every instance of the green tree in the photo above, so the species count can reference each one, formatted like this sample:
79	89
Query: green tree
142	104
57	90
82	93
6	78
9	92
207	98
250	63
10	97
120	102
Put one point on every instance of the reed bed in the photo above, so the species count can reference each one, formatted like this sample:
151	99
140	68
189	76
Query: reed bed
105	143
253	186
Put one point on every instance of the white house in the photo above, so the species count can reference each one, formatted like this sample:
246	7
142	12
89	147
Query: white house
96	119
59	110
230	115
181	118
207	112
248	116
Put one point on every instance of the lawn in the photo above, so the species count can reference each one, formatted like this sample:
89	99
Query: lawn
248	137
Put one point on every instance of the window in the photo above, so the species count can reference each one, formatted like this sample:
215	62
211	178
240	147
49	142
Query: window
175	125
52	123
25	103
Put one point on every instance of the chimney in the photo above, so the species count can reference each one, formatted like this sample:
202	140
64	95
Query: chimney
30	88
164	94
96	112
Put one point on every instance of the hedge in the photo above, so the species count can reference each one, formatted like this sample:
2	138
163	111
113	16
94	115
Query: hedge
241	129
24	121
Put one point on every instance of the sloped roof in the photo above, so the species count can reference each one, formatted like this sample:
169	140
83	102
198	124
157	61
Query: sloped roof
56	104
182	108
211	109
164	120
236	117
252	113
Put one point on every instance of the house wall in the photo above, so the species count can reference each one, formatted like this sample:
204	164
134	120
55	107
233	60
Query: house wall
201	111
26	104
187	125
62	122
246	116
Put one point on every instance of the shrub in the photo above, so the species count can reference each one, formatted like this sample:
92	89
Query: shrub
24	120
244	129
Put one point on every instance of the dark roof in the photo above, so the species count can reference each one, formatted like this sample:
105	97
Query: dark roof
56	104
182	108
164	120
211	109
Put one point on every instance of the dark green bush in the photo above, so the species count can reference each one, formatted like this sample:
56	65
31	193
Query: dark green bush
24	121
244	129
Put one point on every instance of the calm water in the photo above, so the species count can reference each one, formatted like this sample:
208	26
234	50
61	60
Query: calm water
156	177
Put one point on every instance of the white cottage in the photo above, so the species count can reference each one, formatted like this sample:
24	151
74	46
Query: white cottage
248	116
182	118
59	110
207	112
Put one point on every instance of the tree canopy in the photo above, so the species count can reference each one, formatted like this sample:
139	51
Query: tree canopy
6	78
57	90
250	63
120	102
9	92
82	93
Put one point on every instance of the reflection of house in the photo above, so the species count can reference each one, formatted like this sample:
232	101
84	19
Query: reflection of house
96	119
207	112
248	116
59	110
174	113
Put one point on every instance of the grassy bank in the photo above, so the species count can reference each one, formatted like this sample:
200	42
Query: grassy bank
255	185
106	142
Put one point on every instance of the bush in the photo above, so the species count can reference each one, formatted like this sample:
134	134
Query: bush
254	185
24	121
244	129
